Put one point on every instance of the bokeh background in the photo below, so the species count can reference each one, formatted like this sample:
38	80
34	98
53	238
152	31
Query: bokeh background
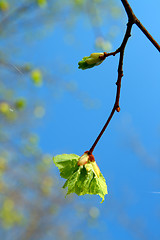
48	107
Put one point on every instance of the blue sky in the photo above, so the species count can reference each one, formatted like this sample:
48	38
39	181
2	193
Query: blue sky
128	153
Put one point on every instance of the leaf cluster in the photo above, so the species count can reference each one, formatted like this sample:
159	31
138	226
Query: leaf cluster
80	179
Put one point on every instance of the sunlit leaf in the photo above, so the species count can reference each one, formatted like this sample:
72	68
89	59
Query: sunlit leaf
80	179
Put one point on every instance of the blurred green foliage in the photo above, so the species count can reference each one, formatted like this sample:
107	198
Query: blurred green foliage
42	3
36	76
4	5
20	103
31	202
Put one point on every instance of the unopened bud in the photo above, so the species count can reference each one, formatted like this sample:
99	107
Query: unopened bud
93	60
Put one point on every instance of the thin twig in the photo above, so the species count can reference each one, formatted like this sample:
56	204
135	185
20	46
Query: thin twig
118	83
130	15
147	34
132	19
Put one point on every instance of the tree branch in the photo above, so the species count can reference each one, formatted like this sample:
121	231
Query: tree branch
130	15
132	19
128	9
147	34
118	83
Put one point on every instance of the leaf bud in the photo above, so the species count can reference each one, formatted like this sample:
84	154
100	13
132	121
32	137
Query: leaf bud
94	59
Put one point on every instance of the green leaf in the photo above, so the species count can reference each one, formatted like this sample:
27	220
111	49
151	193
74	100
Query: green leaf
66	163
80	179
98	186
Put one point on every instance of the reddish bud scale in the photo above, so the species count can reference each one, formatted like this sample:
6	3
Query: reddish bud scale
91	158
103	56
88	158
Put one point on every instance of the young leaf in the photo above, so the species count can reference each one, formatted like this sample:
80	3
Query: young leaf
66	163
94	59
80	179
